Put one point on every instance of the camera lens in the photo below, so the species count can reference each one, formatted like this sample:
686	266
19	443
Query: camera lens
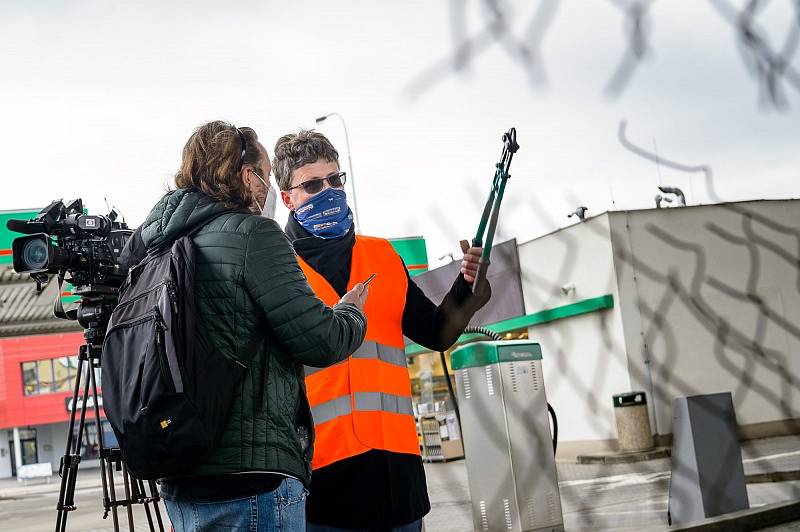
34	255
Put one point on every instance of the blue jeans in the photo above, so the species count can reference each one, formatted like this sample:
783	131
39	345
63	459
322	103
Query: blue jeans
283	509
416	526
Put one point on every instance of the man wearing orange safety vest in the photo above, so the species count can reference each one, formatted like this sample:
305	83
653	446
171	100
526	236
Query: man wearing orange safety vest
367	471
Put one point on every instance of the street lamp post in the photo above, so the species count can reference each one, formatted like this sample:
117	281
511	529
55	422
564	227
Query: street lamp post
349	164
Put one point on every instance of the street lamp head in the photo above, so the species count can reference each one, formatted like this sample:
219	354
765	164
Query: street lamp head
321	119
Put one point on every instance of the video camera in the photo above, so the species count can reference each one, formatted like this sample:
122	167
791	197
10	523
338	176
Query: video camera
64	240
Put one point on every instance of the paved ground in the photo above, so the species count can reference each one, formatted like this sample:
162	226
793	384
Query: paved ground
789	527
618	496
594	497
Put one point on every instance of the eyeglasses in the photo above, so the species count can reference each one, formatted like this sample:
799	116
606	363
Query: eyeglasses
312	186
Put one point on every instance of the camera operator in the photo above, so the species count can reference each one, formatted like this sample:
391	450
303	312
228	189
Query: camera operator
250	291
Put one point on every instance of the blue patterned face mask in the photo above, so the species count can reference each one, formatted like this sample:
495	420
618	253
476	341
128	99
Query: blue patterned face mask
325	215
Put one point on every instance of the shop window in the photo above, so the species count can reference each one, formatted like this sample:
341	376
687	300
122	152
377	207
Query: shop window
64	369
49	375
28	446
90	446
109	438
30	381
45	371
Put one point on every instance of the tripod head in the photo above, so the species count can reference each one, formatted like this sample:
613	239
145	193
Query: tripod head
97	301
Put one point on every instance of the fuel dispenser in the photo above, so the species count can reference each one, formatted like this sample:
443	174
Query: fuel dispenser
506	434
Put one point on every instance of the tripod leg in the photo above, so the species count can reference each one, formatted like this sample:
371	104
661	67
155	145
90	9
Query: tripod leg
145	500
66	496
156	497
68	469
126	479
94	362
113	495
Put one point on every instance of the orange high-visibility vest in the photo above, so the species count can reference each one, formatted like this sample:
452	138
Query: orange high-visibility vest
364	402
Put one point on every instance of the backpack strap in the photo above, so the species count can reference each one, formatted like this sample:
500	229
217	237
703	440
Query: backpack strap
162	247
133	271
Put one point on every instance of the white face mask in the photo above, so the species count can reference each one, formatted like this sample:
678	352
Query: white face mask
269	207
268	210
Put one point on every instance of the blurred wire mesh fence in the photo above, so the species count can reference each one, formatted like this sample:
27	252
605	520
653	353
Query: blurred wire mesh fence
769	65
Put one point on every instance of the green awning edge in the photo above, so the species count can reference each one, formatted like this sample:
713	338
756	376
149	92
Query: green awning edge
537	318
478	354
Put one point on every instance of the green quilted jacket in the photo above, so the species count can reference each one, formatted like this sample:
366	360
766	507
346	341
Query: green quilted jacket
250	291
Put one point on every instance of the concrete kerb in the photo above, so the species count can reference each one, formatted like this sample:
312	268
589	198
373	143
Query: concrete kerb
741	521
625	457
773	476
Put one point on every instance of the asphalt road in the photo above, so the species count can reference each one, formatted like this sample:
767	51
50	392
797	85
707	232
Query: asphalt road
36	512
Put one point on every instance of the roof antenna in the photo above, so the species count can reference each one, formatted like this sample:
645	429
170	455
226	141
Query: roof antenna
112	209
658	165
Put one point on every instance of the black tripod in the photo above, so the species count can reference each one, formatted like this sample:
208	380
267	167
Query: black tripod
93	314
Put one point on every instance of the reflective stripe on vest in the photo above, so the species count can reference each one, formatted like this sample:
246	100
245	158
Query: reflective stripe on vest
331	409
384	353
364	402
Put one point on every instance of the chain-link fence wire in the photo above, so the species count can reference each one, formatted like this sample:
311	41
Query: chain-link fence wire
637	28
741	356
771	67
496	31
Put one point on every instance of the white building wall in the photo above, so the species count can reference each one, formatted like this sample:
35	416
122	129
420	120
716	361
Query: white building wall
712	295
5	455
51	443
584	359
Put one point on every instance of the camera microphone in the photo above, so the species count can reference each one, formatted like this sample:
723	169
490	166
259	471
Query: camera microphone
27	228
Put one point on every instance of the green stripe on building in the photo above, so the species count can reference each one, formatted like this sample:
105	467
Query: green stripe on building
7	236
529	320
413	252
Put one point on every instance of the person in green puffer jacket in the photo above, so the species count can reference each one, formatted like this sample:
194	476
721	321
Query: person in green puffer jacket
250	293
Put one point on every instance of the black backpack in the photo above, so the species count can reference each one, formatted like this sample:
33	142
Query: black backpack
167	391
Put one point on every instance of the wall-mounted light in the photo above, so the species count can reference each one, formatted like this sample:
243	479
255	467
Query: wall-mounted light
580	212
677	192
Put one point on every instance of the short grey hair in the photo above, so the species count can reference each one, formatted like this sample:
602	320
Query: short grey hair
299	149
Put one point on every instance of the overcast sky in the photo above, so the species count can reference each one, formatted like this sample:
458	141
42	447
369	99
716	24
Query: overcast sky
98	98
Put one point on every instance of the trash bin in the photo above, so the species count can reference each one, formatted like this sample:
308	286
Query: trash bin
633	421
506	434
